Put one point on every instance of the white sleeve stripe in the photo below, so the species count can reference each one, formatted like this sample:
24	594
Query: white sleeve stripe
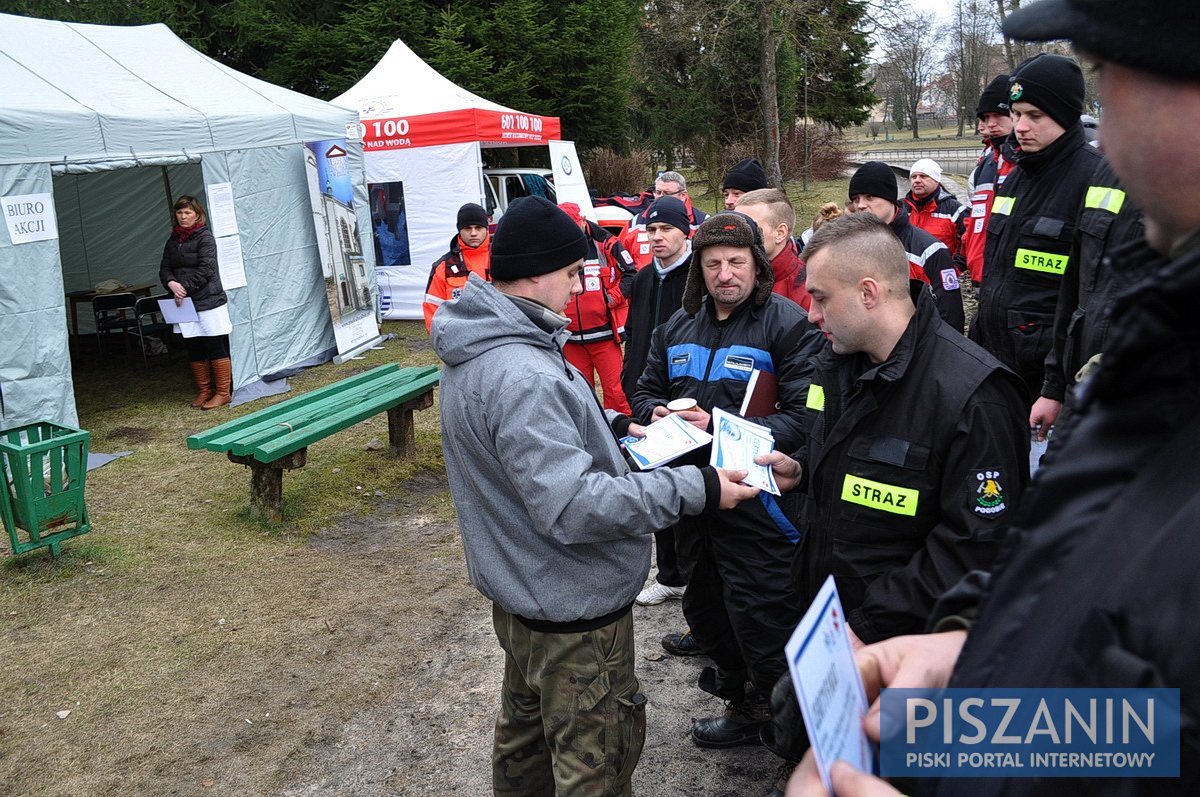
928	253
431	299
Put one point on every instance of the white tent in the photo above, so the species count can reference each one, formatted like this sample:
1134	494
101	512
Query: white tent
107	125
426	133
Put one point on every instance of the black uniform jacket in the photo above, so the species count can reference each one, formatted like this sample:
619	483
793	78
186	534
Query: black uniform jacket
1029	239
1091	283
1097	585
913	467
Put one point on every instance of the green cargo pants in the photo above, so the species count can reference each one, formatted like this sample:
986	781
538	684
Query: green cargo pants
572	721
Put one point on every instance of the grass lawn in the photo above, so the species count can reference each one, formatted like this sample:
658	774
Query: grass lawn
190	644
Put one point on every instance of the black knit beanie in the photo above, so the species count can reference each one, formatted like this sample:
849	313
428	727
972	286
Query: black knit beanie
728	228
875	178
746	175
994	98
471	215
534	237
1051	83
669	210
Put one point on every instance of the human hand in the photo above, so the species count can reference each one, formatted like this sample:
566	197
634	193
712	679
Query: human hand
177	290
855	643
636	430
732	492
698	418
847	781
659	413
787	470
1043	415
906	662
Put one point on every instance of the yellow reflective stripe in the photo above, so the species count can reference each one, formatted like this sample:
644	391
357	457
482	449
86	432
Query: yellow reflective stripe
816	398
1003	205
877	495
1048	262
1103	198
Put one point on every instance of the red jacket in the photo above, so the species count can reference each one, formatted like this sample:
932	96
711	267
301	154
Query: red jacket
940	214
636	240
789	275
988	175
599	312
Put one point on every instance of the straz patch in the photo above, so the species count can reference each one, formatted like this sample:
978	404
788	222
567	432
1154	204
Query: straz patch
949	279
986	493
735	362
877	495
1046	262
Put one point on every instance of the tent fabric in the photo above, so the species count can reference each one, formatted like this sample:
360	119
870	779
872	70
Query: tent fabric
114	122
423	130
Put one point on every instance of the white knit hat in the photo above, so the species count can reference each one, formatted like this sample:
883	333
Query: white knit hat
927	166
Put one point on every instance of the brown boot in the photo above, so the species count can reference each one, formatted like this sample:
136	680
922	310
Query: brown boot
223	380
203	379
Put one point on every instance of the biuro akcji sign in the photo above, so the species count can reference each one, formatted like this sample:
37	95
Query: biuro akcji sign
458	127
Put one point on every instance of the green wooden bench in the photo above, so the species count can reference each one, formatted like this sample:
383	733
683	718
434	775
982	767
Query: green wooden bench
277	438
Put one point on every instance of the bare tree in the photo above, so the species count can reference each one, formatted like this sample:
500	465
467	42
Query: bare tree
970	32
909	47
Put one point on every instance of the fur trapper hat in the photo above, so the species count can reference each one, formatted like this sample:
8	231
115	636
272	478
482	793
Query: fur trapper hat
729	228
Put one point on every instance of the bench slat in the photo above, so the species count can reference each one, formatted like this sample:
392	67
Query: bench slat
306	415
228	431
286	444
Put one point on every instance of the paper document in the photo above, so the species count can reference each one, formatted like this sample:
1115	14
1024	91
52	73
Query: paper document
178	314
737	442
229	262
665	440
828	686
222	218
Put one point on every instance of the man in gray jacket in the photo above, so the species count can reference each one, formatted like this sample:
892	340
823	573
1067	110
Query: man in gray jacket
555	527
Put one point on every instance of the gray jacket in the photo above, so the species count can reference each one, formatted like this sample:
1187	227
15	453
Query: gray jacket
554	524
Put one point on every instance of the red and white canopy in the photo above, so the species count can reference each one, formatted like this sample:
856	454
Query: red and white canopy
404	103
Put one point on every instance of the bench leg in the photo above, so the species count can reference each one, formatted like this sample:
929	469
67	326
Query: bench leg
402	436
266	483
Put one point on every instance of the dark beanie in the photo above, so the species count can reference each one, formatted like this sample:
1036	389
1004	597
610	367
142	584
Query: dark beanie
1149	35
669	210
746	175
1051	83
727	228
994	98
533	238
875	178
471	215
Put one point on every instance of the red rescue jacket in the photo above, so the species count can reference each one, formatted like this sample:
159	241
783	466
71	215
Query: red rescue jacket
988	175
599	312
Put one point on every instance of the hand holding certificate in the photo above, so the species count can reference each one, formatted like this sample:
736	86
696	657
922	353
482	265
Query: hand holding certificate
828	687
736	443
178	314
665	440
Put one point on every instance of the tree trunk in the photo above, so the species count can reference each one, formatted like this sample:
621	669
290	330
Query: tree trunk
769	94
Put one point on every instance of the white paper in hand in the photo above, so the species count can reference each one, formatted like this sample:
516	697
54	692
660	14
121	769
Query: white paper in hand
666	439
828	686
178	314
736	443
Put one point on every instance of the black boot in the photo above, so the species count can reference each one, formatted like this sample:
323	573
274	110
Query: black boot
739	725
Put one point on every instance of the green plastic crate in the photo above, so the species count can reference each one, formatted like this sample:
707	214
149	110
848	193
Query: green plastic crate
44	467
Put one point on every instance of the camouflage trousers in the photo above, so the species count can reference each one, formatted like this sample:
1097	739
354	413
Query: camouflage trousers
572	721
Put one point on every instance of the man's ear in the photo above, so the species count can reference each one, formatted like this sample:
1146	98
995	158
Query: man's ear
868	292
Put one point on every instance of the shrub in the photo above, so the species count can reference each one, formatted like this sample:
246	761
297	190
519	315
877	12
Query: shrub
828	160
610	173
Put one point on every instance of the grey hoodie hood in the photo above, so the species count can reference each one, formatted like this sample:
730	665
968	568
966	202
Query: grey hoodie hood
458	335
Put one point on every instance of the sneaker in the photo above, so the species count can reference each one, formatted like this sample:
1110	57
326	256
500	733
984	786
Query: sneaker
657	593
684	644
739	725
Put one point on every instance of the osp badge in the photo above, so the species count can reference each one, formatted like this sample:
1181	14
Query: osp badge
988	493
1016	91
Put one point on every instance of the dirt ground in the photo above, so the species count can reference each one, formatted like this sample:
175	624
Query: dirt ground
432	733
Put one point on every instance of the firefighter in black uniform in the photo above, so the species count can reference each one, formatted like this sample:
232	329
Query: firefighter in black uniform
739	600
1032	226
1090	286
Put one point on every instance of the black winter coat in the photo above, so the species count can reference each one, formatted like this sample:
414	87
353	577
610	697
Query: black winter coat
932	258
913	468
1091	284
1097	584
1029	239
193	264
652	301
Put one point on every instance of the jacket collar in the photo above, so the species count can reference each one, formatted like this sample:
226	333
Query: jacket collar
1034	162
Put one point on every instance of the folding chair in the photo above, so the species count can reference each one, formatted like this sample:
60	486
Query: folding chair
114	313
149	318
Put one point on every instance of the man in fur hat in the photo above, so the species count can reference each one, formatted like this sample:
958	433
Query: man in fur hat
739	601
